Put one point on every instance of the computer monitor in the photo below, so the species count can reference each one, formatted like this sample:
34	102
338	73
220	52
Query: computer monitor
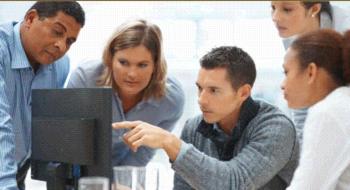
71	135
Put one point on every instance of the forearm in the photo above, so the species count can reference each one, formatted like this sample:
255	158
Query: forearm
203	172
171	146
8	165
8	168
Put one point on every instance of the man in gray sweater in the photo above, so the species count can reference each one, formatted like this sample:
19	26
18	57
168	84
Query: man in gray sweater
236	143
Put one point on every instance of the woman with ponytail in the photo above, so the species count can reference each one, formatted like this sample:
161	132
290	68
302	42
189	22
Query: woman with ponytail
317	70
295	18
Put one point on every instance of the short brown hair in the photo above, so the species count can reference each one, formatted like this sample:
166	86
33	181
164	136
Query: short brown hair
326	48
132	34
239	65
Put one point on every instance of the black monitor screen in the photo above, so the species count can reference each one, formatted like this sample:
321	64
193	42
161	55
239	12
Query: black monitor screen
71	135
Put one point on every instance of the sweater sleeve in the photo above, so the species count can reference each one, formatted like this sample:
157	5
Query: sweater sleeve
270	147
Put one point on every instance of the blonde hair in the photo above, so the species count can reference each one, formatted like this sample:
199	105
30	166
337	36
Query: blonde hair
132	34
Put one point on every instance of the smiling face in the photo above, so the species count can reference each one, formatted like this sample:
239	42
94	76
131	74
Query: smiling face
217	99
47	39
291	18
132	70
295	86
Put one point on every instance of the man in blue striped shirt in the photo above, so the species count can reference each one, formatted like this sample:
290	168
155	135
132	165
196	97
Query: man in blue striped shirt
31	56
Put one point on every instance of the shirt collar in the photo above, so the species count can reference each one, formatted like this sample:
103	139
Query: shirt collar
142	103
225	145
19	60
150	101
249	110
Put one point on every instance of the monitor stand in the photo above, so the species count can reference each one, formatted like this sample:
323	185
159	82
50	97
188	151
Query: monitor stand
60	177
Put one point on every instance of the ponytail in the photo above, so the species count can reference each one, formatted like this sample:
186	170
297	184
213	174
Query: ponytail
346	57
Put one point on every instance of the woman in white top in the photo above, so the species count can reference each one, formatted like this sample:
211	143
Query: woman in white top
317	70
293	18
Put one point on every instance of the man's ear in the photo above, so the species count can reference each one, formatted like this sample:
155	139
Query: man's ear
244	91
311	70
30	16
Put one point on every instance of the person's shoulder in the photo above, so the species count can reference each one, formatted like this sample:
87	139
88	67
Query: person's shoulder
269	113
336	11
6	30
191	125
6	38
90	68
175	96
340	18
174	88
86	74
3	48
266	108
193	122
90	65
62	62
335	103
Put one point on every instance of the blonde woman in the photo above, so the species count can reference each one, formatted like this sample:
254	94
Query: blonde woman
133	65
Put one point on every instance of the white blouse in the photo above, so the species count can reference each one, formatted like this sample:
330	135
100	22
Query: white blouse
325	157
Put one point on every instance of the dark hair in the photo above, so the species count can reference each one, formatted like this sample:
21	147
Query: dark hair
346	56
328	49
239	65
50	9
325	6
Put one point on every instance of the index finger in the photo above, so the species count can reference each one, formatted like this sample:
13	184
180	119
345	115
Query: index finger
126	124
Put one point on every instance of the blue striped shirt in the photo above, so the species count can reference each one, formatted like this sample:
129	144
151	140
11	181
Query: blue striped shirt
17	79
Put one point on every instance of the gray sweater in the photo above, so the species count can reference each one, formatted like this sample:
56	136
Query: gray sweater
261	153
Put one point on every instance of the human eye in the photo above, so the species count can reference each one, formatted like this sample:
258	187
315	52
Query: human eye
214	90
199	88
70	42
273	8
123	62
143	65
56	31
287	10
